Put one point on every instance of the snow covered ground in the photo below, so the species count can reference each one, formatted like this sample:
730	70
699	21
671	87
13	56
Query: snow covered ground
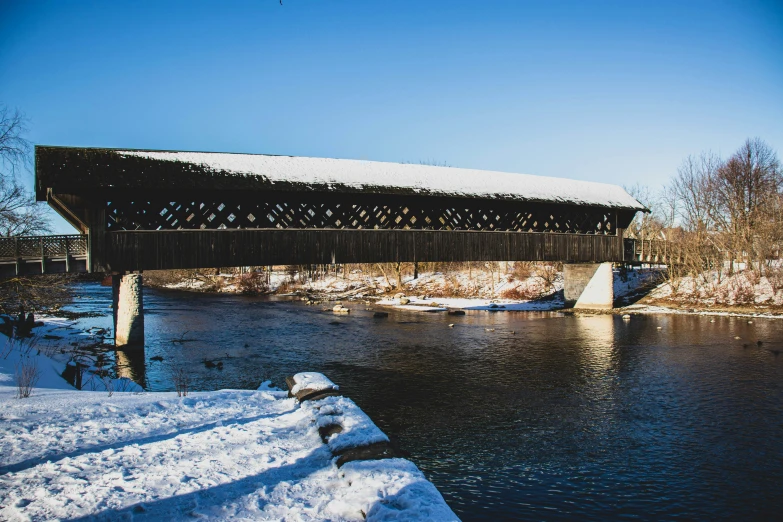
435	304
501	289
713	288
743	294
247	454
623	285
656	309
538	287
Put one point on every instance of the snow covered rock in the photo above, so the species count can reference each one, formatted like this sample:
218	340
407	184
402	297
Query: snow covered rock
357	428
340	309
350	434
309	385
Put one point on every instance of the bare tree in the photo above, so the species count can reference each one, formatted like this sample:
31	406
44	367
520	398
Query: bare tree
692	190
690	202
726	211
18	214
747	191
14	148
34	293
647	225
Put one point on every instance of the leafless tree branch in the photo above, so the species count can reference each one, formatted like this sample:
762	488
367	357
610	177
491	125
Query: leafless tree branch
14	148
18	213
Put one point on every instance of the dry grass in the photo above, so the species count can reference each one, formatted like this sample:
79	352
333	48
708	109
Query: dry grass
775	278
34	293
252	283
522	270
26	375
736	291
210	280
288	286
522	293
181	381
25	346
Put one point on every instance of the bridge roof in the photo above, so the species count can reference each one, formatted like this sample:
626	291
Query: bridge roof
78	170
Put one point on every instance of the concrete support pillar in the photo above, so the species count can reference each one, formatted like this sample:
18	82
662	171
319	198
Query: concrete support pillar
127	297
588	285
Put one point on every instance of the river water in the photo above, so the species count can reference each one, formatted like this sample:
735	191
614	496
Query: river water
515	415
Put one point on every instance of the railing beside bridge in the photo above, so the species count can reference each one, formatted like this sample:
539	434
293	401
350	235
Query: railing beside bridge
43	254
648	251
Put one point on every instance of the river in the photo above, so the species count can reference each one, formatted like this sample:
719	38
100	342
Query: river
515	415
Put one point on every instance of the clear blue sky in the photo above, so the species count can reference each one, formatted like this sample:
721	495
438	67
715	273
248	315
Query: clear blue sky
618	92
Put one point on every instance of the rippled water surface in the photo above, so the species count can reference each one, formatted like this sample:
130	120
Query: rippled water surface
514	415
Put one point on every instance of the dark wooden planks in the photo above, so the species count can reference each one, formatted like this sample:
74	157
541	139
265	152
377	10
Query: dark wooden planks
150	250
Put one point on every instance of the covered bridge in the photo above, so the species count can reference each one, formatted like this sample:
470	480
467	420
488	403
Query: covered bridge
146	210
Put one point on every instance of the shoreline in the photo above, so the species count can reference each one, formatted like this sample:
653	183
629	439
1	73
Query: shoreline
548	304
659	307
635	292
250	453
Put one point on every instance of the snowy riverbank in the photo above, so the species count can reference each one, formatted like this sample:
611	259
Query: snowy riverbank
67	454
495	287
435	304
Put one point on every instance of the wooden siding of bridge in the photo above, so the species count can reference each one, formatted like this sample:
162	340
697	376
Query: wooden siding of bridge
156	250
142	213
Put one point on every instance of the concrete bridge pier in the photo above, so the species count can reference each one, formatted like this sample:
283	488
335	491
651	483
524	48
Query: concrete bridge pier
588	285
128	306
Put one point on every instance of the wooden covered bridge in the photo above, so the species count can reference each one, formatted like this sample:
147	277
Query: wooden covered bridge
149	210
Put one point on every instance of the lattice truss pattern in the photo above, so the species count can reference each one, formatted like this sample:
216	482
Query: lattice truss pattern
157	215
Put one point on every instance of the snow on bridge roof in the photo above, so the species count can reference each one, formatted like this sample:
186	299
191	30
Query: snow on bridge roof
327	174
75	170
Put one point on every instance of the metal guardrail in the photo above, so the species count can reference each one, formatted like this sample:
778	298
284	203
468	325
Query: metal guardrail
38	247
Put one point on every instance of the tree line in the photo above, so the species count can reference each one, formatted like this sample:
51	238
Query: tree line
718	215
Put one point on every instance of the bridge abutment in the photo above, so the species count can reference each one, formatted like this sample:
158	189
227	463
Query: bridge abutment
588	285
127	298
